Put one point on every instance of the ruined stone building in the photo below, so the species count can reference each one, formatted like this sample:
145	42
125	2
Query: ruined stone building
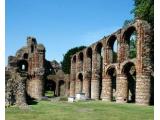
98	70
27	73
101	73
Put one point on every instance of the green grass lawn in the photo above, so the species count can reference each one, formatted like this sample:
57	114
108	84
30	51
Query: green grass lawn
93	110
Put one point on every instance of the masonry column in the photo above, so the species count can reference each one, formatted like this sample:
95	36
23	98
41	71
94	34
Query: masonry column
143	63
79	73
106	88
21	90
95	78
73	76
87	76
122	89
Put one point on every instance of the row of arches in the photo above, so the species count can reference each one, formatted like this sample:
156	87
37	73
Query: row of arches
129	51
112	45
111	78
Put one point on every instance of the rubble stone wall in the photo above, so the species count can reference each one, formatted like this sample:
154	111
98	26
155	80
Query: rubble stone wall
98	85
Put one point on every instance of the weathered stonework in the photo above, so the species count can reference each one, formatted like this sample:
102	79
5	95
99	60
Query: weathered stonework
26	68
96	71
131	81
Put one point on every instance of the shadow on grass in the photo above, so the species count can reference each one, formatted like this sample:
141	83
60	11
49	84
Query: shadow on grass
31	101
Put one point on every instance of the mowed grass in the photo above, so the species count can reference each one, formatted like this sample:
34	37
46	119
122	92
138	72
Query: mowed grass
92	110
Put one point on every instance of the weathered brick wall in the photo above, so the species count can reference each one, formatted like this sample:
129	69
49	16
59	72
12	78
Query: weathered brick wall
143	64
27	65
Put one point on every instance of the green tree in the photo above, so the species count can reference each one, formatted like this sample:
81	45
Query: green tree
144	9
132	51
67	58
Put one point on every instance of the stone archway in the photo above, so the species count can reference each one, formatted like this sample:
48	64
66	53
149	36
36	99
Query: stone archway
129	43
112	49
50	88
129	71
22	65
111	74
61	88
79	83
109	84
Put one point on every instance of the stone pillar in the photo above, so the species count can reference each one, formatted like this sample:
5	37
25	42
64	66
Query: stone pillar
72	77
87	84
35	87
78	85
144	62
107	88
21	91
67	78
122	89
57	88
87	70
95	78
79	69
143	89
72	88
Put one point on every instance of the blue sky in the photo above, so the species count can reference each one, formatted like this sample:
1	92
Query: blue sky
62	24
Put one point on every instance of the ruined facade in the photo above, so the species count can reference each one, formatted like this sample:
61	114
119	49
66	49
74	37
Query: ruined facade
57	81
96	71
27	73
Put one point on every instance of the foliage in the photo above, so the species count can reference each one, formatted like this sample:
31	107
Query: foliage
132	51
67	58
89	110
144	9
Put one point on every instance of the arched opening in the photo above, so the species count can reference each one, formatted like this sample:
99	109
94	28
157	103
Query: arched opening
25	56
69	85
111	73
61	88
23	65
130	39
50	88
32	48
99	67
113	47
80	61
130	72
80	78
74	59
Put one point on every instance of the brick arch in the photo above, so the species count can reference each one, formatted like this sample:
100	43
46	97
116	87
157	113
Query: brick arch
128	32
109	67
50	85
112	56
61	88
125	64
74	59
22	65
110	41
98	47
79	83
25	56
79	73
125	42
89	52
129	72
80	56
